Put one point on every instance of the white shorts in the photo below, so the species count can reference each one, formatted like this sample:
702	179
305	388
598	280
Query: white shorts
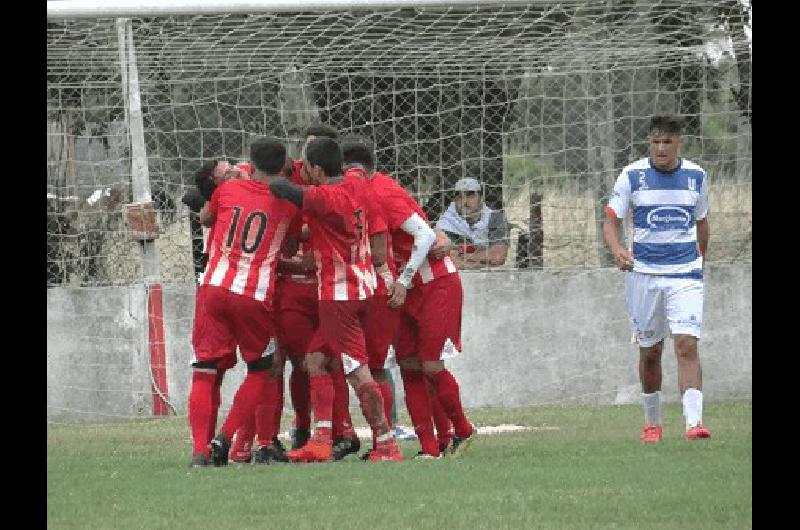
659	305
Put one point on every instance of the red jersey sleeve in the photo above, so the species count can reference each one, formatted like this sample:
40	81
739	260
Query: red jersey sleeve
396	209
374	215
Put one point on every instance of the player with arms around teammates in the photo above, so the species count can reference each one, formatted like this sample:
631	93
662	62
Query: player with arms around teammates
339	218
664	281
250	227
429	297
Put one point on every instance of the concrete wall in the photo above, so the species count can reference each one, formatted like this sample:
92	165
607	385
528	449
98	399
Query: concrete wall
529	337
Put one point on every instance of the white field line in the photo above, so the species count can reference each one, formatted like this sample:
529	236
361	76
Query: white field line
365	434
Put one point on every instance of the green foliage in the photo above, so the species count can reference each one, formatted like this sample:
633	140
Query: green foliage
579	467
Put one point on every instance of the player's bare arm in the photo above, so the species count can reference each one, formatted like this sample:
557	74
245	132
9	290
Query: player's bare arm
703	235
207	218
377	247
622	257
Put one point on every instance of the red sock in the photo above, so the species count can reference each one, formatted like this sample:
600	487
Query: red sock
448	393
243	440
371	401
279	403
388	400
419	408
342	422
248	395
322	405
265	411
299	392
200	407
444	427
215	401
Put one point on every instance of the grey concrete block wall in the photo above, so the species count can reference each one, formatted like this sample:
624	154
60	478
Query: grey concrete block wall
529	338
97	355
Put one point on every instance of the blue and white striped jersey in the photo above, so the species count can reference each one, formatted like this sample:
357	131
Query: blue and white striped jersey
666	208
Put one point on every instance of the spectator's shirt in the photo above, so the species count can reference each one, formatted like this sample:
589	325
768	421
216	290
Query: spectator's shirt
249	229
340	219
398	205
666	207
491	228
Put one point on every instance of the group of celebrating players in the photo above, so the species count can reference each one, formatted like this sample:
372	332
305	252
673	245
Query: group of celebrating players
327	263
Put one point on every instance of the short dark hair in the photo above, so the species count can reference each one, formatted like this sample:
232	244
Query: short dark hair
320	130
325	152
359	150
666	124
204	178
268	155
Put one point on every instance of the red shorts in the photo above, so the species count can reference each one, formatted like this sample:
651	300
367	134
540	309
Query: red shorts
341	332
430	326
229	320
380	327
297	316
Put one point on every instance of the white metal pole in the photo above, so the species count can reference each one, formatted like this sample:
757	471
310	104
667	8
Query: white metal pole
59	9
140	174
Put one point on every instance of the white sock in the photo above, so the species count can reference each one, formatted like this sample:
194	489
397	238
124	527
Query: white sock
652	407
692	407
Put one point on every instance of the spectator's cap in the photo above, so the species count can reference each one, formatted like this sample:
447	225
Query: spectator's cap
468	184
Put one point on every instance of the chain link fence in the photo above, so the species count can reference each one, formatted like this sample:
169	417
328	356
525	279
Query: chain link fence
544	104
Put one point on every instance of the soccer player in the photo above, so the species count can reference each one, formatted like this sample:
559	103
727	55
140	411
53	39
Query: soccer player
339	216
303	299
664	283
382	320
207	178
429	327
250	226
296	321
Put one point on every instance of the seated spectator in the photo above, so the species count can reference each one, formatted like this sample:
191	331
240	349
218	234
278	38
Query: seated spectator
479	234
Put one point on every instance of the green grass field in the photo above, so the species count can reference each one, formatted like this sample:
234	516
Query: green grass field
579	467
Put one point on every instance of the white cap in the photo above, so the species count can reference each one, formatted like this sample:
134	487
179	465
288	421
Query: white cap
468	184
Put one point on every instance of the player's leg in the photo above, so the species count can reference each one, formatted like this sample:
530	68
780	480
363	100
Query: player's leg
444	427
415	387
254	331
257	336
646	311
227	362
439	324
684	308
319	447
344	325
345	439
380	325
204	374
211	339
299	391
296	321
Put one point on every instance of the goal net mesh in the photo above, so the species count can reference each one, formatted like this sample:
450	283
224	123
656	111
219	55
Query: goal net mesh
544	104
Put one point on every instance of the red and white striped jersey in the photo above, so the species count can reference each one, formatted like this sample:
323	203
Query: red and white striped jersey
340	219
397	206
249	229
